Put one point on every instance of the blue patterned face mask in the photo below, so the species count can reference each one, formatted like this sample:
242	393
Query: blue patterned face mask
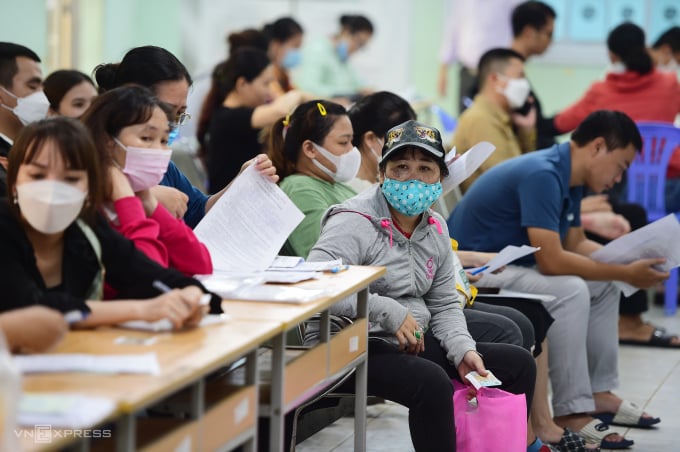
411	197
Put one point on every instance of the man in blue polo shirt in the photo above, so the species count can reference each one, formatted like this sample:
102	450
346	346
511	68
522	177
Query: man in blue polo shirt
535	199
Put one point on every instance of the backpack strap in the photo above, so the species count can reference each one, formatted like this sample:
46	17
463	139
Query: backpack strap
96	290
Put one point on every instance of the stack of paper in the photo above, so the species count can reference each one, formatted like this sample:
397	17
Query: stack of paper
144	363
63	410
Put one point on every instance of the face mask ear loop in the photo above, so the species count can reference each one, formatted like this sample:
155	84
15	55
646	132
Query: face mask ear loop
385	224
433	220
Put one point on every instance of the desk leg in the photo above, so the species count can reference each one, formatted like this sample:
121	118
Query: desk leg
197	399
325	326
360	383
125	428
276	404
252	379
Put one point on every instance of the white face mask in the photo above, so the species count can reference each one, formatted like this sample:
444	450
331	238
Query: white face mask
347	165
617	68
671	66
49	206
516	91
31	108
144	167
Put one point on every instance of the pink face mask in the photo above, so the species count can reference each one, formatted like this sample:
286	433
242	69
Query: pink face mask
144	167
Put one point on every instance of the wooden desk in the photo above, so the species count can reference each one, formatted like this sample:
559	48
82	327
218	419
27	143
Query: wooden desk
185	358
294	382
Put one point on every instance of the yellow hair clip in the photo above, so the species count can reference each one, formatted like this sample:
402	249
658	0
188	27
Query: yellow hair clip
321	108
286	121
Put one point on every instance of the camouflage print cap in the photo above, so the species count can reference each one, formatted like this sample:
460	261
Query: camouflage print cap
413	133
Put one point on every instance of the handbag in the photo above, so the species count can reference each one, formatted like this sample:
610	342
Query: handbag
493	421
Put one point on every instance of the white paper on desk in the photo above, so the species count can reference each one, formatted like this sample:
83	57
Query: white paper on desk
462	166
507	255
166	325
657	239
143	363
318	266
249	224
286	261
61	410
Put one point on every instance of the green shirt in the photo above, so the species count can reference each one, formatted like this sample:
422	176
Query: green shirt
323	74
313	197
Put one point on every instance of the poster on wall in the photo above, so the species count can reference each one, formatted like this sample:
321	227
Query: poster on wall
560	7
665	14
619	11
587	21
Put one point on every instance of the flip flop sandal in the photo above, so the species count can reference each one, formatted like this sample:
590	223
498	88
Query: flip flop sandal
596	431
659	338
571	442
628	415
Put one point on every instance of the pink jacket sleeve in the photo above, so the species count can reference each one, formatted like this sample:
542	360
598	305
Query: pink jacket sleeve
143	231
186	253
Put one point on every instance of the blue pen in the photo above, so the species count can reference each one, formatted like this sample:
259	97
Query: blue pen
339	268
76	316
479	270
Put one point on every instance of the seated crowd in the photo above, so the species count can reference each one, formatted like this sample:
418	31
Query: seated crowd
87	183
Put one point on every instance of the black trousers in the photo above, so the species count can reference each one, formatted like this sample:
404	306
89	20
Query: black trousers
423	384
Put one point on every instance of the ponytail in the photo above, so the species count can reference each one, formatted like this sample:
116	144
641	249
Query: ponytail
627	41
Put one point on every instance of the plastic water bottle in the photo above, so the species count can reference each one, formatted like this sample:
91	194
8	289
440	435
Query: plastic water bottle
10	391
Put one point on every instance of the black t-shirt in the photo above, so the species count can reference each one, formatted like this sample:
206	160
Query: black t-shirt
231	142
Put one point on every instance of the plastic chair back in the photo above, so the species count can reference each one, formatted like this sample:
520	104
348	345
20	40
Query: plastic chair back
646	183
646	180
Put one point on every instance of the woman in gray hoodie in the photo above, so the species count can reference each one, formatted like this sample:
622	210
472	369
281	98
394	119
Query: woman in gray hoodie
419	339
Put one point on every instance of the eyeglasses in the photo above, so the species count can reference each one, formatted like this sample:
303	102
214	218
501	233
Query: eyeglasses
182	118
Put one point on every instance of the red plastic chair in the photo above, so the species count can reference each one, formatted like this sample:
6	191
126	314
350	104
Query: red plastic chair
646	182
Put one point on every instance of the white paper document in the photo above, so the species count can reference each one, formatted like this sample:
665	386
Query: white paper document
657	239
165	325
333	266
60	410
144	363
286	261
249	224
507	255
462	166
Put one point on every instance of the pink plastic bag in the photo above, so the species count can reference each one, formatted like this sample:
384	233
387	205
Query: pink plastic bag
498	421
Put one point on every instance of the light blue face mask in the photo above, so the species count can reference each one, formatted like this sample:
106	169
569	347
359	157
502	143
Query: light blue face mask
411	197
172	136
292	58
343	50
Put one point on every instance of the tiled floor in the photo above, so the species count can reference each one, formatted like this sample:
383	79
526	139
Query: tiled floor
650	377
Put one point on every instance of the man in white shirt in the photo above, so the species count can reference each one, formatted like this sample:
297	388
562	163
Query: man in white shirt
472	28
